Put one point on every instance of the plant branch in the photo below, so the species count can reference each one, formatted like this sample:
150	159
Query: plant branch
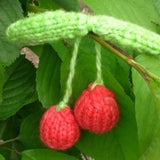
126	57
7	141
10	149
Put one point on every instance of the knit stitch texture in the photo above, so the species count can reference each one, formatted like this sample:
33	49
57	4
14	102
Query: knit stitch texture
59	130
50	26
97	109
125	34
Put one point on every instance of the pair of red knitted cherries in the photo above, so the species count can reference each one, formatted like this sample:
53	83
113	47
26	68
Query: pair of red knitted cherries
95	110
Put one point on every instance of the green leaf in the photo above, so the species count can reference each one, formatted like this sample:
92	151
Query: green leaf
19	87
155	89
29	109
29	131
147	98
157	5
150	63
3	126
145	112
73	151
48	77
1	81
49	4
152	153
61	49
69	5
122	142
10	12
47	154
1	157
37	49
122	74
32	99
141	12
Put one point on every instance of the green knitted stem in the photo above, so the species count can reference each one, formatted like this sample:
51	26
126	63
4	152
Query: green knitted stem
68	92
125	34
99	79
50	26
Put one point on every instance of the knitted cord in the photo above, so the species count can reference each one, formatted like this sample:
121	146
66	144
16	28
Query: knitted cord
51	26
99	78
68	90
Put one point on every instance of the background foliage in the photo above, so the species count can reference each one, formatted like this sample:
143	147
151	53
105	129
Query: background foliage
26	91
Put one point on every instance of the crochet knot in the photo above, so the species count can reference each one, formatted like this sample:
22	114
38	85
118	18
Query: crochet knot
97	109
59	130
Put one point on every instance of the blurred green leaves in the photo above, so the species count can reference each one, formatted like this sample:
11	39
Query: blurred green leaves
10	11
18	88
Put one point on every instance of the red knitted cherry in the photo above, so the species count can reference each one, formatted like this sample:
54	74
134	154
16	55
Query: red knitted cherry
59	130
97	109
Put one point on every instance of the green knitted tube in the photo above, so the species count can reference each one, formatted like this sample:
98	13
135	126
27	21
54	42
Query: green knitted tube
125	34
50	26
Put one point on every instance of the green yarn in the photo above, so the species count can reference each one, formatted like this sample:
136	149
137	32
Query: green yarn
50	26
99	78
68	90
125	34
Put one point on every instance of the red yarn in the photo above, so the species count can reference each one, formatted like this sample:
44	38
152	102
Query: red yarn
59	130
97	109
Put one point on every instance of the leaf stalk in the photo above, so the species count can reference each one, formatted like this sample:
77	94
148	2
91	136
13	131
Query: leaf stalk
8	141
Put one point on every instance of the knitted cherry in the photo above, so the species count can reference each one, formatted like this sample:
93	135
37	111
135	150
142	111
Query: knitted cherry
97	109
59	130
58	126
